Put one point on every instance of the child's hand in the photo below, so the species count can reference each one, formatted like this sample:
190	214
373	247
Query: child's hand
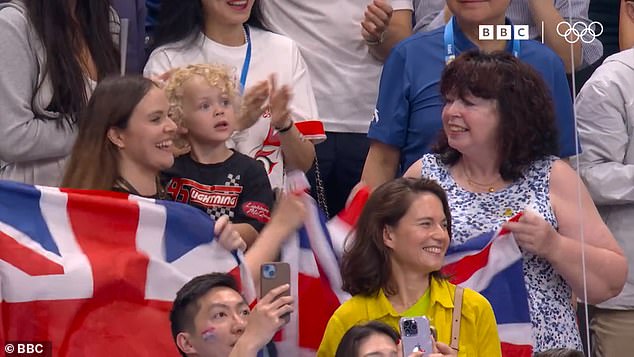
280	98
228	237
253	105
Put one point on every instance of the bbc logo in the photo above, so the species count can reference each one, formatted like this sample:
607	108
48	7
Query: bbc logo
503	32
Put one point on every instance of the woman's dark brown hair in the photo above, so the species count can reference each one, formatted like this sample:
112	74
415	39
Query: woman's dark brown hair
527	130
93	161
64	31
351	340
366	266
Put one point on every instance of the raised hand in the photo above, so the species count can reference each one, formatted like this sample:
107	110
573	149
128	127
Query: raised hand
279	102
253	105
228	237
375	21
534	234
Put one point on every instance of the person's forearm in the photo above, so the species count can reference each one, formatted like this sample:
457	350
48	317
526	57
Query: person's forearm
247	232
544	11
244	348
298	153
266	247
399	29
606	270
380	165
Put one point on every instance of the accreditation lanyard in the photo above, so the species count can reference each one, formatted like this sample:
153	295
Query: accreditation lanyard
247	59
450	47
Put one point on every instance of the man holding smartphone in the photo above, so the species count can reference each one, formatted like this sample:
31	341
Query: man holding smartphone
210	318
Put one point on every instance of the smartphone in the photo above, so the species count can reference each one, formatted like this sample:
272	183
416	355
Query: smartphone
416	335
272	275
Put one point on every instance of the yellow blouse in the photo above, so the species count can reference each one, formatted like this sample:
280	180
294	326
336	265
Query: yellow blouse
478	329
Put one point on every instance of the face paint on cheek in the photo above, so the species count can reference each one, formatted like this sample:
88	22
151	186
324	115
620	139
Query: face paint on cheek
209	334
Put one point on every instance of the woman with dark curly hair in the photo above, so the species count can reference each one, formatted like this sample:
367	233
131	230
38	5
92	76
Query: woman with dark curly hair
391	269
495	158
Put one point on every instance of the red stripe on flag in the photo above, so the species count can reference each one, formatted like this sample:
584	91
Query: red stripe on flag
25	259
106	233
351	213
463	269
317	302
115	328
510	350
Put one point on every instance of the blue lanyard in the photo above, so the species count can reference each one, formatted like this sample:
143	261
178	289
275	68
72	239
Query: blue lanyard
247	60
450	47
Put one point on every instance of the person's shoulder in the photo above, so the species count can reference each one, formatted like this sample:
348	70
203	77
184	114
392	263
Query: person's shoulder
272	40
538	54
421	40
14	13
616	68
353	310
246	163
176	47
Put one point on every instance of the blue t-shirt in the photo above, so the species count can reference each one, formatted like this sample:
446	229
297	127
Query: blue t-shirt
408	113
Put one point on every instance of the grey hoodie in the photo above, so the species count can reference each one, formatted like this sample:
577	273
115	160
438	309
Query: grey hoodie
605	114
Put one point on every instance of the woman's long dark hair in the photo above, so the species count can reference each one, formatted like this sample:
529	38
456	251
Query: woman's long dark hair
62	38
182	19
93	161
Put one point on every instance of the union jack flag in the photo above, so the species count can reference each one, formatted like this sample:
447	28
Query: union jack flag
95	272
491	264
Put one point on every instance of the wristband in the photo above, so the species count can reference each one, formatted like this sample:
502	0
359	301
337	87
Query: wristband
287	128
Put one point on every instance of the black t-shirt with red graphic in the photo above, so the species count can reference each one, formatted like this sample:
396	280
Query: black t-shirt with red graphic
238	187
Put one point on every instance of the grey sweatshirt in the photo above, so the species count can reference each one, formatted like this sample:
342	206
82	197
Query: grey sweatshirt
32	149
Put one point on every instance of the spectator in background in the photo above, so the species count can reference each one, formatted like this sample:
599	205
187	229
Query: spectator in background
341	54
605	115
135	12
210	318
626	25
408	112
230	33
52	55
495	159
551	13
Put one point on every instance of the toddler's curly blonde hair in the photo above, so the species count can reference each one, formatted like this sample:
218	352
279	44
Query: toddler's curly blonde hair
216	75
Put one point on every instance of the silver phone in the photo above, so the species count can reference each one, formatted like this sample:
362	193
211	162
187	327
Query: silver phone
416	335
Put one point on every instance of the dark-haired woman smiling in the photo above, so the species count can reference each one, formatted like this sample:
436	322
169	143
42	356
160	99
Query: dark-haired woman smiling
52	54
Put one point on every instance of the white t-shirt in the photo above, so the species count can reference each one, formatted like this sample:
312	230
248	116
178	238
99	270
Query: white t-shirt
345	76
270	53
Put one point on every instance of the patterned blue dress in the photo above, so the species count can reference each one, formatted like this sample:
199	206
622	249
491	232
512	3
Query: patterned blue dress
550	301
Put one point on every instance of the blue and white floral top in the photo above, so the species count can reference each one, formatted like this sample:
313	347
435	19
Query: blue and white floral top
550	297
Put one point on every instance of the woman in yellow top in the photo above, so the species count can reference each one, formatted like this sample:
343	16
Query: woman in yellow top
391	269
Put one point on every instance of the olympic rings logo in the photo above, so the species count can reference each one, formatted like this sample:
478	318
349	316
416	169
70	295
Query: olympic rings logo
579	31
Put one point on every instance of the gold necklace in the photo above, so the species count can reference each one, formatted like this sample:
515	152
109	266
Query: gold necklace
488	186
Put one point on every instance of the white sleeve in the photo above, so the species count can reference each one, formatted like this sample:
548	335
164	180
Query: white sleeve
303	104
402	5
